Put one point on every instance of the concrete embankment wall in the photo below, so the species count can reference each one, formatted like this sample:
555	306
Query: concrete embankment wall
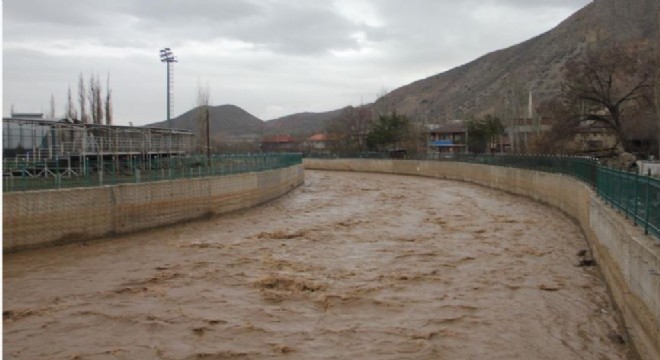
50	217
628	259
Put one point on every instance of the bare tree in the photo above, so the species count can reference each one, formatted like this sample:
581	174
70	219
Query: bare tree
98	100
108	102
82	96
558	139
90	98
51	112
70	107
350	129
383	105
610	82
204	120
513	112
94	99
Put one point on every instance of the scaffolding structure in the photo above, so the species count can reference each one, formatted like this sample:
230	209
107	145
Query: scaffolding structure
40	139
41	148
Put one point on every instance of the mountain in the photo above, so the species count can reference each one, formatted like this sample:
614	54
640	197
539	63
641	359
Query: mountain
303	123
499	82
231	123
226	121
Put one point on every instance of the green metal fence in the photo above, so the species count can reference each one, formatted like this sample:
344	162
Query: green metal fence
637	196
582	168
94	171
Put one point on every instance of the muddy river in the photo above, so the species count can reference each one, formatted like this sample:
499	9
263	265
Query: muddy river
348	266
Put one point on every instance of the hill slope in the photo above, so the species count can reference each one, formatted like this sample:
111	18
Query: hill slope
226	120
230	122
497	81
303	123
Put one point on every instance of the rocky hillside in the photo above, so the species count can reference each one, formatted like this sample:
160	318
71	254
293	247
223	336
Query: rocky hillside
500	82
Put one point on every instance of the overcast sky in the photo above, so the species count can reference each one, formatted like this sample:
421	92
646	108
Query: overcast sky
270	57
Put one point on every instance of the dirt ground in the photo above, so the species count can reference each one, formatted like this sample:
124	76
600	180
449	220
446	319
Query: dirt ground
348	266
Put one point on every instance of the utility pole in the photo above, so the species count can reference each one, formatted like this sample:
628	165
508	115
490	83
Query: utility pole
168	57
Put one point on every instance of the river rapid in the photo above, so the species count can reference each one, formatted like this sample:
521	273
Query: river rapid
348	266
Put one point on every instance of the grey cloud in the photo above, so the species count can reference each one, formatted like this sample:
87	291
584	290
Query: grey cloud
294	27
291	64
42	11
178	13
286	27
299	30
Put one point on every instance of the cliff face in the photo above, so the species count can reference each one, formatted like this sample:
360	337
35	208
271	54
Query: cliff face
500	82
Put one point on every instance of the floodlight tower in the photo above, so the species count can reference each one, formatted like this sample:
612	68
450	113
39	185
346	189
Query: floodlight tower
168	57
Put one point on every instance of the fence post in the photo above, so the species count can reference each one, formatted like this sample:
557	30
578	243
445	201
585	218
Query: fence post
594	176
23	182
115	168
646	220
635	200
88	173
620	197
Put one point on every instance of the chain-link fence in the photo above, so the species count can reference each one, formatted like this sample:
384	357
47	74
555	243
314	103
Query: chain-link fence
108	170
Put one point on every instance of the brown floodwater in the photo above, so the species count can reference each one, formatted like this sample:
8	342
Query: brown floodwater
348	266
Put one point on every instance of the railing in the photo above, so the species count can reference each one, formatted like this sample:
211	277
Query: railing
582	168
637	196
93	171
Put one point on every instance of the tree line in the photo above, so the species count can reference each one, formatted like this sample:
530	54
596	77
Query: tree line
615	88
91	105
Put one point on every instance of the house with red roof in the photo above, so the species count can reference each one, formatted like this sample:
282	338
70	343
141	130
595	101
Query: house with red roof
319	144
279	143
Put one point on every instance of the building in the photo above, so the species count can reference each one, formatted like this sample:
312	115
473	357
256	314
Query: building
319	144
591	137
521	134
447	138
279	143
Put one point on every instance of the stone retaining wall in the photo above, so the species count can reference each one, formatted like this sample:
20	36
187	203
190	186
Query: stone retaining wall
628	259
40	218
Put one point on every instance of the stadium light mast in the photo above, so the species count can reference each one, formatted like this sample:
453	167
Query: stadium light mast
168	57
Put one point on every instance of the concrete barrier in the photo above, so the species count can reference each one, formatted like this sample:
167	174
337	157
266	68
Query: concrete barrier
628	259
40	218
